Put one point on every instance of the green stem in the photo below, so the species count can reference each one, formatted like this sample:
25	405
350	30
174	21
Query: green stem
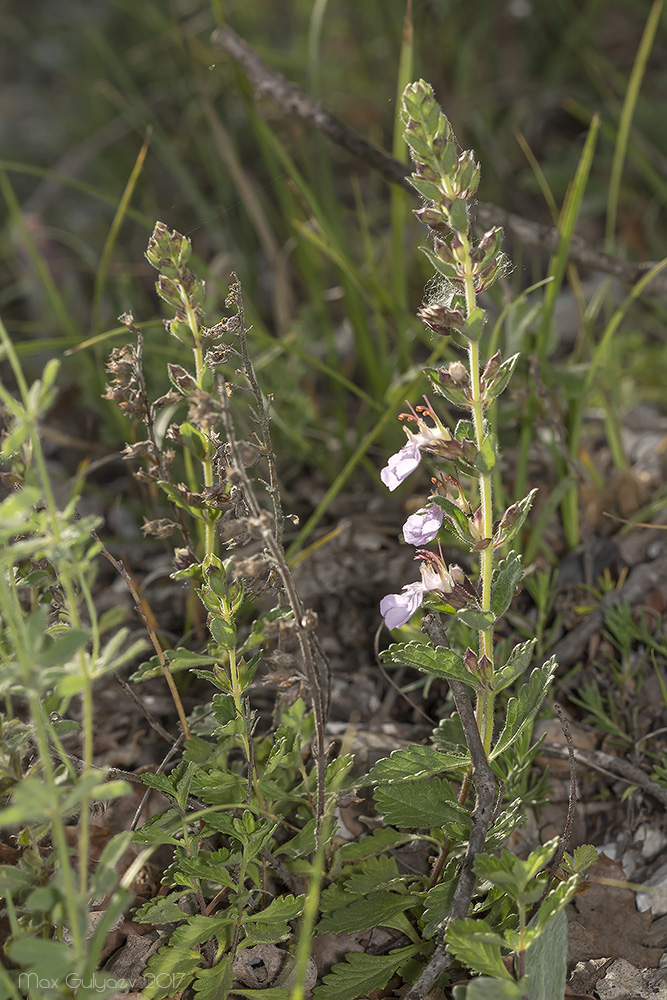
485	697
237	695
207	463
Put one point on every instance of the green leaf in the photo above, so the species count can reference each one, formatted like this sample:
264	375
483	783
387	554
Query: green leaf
546	962
498	383
279	909
487	457
489	989
196	442
456	520
422	804
173	966
426	188
223	632
378	909
476	945
162	909
439	661
514	876
178	659
555	902
360	974
371	875
41	954
584	856
438	903
412	763
465	429
181	331
522	710
474	618
517	663
215	983
380	840
447	270
31	802
64	648
506	579
458	218
512	520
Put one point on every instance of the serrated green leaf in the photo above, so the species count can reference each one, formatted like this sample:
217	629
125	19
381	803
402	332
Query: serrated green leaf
360	974
375	910
279	909
477	946
420	804
412	763
474	618
162	909
173	963
439	661
584	856
438	902
214	983
517	663
506	579
515	876
212	866
380	840
522	710
371	875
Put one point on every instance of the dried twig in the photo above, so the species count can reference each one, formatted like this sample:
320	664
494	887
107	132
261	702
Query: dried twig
292	100
484	783
139	608
615	767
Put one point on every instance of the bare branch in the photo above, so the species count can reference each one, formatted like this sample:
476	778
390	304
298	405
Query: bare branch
292	100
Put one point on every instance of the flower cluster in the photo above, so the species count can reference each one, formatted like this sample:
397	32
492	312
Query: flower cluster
447	179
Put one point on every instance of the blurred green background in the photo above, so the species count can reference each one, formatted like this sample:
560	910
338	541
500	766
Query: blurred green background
325	250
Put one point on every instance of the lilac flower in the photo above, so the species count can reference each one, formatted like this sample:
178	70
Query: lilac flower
397	609
401	465
422	527
408	458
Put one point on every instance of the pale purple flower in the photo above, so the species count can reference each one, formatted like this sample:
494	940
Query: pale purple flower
408	458
397	609
422	527
401	465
